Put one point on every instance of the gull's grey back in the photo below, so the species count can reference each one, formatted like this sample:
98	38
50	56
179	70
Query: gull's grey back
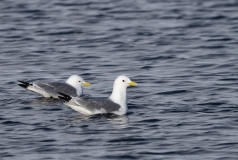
54	87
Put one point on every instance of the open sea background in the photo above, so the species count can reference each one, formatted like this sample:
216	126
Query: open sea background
183	54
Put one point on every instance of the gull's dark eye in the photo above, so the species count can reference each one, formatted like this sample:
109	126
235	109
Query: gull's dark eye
79	81
123	80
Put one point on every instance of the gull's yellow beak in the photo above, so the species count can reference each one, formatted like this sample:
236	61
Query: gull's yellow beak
132	83
86	84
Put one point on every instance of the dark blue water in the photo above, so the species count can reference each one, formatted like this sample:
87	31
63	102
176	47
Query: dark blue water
183	54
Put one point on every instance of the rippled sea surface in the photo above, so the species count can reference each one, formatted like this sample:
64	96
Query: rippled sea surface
183	54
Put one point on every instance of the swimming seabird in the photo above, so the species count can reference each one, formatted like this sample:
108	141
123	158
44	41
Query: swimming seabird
116	103
72	87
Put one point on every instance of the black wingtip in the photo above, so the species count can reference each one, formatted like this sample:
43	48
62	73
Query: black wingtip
64	97
23	84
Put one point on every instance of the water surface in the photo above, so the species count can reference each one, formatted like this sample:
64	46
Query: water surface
182	54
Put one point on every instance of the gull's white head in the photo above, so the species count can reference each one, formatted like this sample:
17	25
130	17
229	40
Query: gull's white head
119	92
123	82
77	82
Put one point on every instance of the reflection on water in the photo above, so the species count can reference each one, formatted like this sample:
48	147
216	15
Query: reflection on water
121	121
42	101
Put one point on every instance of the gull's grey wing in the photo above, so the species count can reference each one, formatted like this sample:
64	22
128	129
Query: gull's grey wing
53	88
97	104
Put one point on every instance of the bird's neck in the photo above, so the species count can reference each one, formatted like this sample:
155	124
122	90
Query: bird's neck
119	96
78	88
79	91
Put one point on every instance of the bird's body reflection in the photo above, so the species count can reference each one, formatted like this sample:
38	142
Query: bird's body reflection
115	119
